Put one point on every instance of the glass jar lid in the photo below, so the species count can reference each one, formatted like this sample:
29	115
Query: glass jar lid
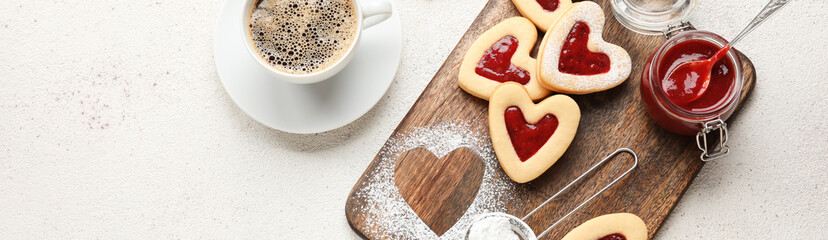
651	17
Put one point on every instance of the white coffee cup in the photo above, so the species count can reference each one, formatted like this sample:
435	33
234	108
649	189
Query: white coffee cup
369	13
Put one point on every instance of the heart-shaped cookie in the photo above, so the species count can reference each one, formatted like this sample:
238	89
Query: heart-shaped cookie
439	190
618	226
527	137
501	55
574	57
542	12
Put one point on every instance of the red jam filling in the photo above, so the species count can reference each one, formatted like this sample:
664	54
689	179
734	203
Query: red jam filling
496	63
721	78
614	236
528	138
575	56
549	5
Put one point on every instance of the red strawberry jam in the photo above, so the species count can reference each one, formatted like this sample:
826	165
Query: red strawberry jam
721	78
575	56
717	102
549	5
614	236
528	138
496	63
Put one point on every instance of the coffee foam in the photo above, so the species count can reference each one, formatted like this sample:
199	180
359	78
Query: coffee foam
302	36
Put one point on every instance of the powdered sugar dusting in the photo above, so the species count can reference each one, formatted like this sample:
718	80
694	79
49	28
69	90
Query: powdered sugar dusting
385	212
497	228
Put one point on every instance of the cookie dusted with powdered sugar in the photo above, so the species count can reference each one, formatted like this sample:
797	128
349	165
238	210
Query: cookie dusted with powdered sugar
575	59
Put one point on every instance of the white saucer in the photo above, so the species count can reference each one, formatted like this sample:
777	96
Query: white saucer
309	108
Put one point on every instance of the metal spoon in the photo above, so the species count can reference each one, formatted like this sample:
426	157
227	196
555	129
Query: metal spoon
698	71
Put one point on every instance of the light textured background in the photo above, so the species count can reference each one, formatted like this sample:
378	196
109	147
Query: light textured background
113	124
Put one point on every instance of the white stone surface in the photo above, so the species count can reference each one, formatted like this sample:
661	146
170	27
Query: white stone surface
113	124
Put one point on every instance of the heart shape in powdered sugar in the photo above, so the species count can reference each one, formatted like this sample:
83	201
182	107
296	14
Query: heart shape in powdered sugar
439	190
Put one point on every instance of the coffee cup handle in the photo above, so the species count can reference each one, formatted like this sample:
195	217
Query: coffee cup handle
374	12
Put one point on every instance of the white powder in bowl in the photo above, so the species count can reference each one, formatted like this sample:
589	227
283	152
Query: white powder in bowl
492	228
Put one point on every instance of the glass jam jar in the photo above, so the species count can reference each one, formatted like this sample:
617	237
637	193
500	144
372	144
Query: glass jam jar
708	113
651	17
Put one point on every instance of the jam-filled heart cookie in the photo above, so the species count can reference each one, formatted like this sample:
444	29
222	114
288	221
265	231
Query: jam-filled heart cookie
618	226
527	137
501	55
542	12
574	57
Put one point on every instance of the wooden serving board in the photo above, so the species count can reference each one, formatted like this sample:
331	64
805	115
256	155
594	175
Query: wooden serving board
610	120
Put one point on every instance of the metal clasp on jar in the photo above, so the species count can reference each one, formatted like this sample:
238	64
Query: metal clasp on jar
676	28
721	149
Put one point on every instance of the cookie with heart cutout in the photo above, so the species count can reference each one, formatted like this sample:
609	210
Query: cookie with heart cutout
501	55
615	226
542	12
575	59
529	138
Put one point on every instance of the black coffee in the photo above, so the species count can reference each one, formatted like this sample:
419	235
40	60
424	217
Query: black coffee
302	36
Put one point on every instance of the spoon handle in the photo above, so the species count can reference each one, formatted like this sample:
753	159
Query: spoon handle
766	12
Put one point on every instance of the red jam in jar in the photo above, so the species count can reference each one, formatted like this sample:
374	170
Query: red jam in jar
718	101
